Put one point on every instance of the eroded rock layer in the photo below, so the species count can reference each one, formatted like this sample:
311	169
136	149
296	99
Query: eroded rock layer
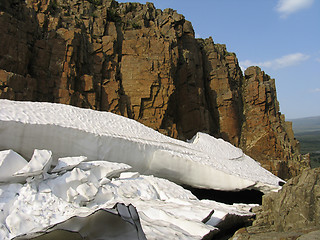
146	64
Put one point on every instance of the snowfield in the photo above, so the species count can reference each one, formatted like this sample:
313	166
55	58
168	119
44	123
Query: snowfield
204	162
86	167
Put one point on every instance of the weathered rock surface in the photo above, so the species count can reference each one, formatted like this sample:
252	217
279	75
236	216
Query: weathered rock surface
265	135
291	213
143	63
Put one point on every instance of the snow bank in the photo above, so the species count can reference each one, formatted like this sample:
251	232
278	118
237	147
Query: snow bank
204	162
75	200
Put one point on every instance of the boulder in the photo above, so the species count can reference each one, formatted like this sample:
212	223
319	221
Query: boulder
291	213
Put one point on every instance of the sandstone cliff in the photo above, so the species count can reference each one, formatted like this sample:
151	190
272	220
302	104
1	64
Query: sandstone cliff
146	64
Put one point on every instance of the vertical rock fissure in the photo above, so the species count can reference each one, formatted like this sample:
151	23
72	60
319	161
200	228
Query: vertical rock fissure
211	103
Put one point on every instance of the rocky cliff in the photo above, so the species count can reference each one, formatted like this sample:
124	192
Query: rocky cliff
146	64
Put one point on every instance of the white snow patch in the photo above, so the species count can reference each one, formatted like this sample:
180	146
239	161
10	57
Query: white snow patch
166	210
204	162
68	163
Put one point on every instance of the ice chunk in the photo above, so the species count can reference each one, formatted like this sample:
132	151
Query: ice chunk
104	181
104	169
87	190
71	194
68	163
129	175
39	163
61	184
10	162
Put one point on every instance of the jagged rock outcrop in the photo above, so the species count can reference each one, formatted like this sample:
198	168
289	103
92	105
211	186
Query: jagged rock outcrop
292	212
265	134
143	63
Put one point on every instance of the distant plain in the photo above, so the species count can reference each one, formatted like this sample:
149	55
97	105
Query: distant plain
307	131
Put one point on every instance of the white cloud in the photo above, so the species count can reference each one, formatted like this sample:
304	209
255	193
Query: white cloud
287	7
282	62
316	90
245	64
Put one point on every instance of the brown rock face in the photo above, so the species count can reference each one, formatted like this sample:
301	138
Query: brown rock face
223	79
290	213
265	135
143	63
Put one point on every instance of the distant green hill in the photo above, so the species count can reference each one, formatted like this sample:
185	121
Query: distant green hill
308	124
307	131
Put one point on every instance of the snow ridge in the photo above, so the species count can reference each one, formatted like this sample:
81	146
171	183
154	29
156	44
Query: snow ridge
203	162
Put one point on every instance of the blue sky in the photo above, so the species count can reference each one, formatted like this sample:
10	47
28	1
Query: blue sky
280	36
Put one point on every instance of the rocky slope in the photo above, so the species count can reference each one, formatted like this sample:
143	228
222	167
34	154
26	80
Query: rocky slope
146	64
292	213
